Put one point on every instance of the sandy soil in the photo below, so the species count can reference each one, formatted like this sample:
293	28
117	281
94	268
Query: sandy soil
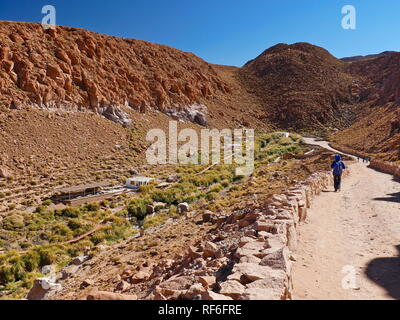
355	232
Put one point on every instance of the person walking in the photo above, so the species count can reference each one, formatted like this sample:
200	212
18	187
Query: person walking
338	166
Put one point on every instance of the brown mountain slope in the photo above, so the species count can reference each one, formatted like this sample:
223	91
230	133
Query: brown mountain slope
377	129
303	86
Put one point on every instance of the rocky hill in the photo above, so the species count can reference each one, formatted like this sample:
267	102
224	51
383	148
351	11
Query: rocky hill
302	86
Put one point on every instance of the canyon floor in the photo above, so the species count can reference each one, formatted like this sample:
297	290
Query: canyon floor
360	228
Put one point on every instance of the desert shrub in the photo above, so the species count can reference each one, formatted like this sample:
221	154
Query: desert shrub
29	278
137	208
31	260
13	222
6	274
70	212
154	221
105	203
285	141
92	207
79	248
119	229
41	209
47	256
47	202
75	224
216	188
211	196
225	183
61	229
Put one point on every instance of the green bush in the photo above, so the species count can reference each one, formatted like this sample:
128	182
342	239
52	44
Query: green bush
92	207
13	222
70	212
137	208
47	202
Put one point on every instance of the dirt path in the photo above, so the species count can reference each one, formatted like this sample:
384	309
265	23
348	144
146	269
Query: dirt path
355	232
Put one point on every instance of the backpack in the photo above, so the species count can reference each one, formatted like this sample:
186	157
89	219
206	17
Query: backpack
337	168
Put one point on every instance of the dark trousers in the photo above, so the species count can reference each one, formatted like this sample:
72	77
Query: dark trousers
337	181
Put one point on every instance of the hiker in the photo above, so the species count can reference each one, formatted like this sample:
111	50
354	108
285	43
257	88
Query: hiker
338	166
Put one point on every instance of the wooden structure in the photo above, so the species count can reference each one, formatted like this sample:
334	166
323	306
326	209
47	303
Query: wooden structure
70	193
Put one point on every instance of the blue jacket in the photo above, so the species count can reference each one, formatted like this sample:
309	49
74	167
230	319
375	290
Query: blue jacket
338	167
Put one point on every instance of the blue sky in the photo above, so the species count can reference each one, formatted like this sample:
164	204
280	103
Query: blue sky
227	32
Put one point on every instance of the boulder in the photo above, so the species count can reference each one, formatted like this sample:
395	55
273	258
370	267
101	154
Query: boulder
263	226
278	259
250	259
42	289
7	66
252	271
80	260
150	209
87	283
50	269
69	271
210	295
133	172
207	281
140	276
183	207
275	287
208	216
172	179
194	290
4	172
122	286
104	295
251	248
194	253
232	288
210	249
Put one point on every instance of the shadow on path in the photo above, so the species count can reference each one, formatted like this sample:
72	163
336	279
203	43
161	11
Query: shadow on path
393	197
386	273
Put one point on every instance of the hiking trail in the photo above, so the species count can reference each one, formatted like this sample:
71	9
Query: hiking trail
357	228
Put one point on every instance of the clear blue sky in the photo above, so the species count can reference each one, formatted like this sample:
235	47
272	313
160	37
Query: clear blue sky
227	31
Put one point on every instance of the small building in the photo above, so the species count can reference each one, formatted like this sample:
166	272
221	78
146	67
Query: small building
137	182
70	193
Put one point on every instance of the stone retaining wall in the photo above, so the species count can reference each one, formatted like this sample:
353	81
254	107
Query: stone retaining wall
249	256
386	167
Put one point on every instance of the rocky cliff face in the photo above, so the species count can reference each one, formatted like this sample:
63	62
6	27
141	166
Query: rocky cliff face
75	69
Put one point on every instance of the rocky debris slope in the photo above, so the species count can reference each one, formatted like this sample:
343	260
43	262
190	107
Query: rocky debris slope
303	86
74	69
248	257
